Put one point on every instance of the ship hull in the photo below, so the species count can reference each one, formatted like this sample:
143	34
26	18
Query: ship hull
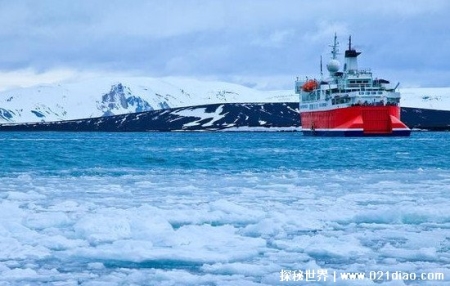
358	121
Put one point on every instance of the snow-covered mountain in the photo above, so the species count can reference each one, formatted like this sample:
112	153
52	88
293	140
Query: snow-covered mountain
99	97
437	98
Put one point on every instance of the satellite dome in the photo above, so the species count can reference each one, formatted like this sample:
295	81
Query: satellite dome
333	66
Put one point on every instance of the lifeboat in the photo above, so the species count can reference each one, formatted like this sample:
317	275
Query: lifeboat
310	85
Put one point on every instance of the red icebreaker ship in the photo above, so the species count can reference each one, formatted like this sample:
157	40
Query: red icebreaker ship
350	102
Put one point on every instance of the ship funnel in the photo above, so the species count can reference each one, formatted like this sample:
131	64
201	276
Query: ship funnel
351	62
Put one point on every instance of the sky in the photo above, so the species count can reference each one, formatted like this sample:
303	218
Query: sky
263	44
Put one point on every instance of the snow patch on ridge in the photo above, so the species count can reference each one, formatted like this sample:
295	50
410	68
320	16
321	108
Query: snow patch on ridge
206	119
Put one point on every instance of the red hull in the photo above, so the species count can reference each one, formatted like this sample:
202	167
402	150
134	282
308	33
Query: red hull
355	121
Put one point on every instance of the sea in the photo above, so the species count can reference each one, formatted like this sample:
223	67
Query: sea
223	208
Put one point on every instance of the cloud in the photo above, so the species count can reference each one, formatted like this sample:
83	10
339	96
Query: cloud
220	38
29	77
274	39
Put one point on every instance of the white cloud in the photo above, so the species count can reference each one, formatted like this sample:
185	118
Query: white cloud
28	77
275	39
405	8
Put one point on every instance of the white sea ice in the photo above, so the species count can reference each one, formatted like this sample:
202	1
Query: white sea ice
167	228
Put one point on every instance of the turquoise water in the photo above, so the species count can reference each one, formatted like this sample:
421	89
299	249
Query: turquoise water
226	152
220	208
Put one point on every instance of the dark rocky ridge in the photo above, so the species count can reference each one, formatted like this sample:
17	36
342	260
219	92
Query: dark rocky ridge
216	117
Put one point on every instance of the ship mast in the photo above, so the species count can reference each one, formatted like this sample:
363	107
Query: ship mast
333	65
321	70
335	50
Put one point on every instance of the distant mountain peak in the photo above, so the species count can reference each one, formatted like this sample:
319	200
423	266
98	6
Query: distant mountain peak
120	100
114	99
